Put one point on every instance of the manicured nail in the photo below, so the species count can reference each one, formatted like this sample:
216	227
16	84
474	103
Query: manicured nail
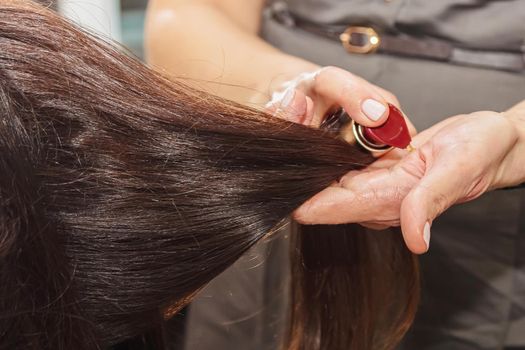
287	98
373	109
426	234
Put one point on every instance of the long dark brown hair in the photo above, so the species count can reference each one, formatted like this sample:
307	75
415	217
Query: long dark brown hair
122	194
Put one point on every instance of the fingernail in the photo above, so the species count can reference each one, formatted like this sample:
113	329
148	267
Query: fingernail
287	98
373	109
426	234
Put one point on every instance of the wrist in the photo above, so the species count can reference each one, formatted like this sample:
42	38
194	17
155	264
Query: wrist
517	117
516	157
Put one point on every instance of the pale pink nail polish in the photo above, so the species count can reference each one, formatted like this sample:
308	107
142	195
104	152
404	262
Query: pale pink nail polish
426	234
373	109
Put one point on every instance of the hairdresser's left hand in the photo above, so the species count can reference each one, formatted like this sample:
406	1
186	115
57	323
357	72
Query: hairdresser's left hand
309	97
455	161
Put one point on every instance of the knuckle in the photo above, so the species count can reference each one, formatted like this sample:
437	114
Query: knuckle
347	89
328	70
324	74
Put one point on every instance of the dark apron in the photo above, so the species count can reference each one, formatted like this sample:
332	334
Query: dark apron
474	275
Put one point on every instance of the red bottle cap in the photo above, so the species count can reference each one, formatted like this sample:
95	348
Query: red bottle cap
394	132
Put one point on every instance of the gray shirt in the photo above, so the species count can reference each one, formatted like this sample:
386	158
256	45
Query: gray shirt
477	24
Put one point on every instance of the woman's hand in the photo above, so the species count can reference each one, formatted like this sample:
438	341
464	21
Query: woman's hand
455	161
307	98
236	64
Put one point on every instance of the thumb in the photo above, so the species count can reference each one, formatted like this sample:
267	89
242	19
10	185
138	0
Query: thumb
438	190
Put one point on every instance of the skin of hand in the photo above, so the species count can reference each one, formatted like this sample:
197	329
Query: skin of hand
214	44
211	45
308	98
455	161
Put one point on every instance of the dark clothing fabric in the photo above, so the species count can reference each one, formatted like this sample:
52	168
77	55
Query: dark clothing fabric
474	275
480	24
245	307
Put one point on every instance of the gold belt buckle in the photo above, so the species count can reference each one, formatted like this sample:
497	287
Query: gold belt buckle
357	39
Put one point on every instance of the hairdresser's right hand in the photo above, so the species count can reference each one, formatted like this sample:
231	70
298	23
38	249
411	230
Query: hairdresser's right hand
454	161
307	98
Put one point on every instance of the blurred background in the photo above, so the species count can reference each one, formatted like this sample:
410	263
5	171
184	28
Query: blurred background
122	20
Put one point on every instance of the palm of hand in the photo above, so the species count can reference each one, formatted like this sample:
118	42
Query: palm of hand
453	162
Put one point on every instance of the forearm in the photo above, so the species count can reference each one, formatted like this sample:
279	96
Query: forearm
200	42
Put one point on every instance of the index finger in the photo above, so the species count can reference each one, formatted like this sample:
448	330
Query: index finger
373	196
360	99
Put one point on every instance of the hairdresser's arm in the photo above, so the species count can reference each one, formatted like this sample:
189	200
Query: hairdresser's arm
456	161
214	44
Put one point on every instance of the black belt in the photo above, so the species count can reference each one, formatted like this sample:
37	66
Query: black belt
365	40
